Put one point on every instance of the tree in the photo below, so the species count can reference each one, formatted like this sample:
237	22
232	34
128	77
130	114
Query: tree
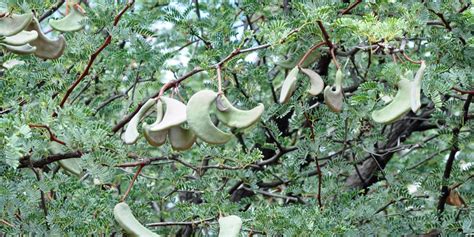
309	166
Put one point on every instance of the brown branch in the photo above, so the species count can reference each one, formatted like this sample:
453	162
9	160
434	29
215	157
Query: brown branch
409	59
325	35
352	6
131	183
314	47
172	223
395	201
463	91
93	57
53	9
52	137
452	155
25	160
328	43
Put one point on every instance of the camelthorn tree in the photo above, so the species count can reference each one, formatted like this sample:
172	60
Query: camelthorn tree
305	118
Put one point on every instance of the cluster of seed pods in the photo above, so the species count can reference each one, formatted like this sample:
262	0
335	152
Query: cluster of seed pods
22	34
172	115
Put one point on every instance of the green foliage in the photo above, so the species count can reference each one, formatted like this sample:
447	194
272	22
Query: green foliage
267	173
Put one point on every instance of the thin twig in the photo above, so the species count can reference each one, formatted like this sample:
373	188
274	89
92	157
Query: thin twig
53	9
52	137
452	155
172	223
93	57
463	91
131	183
314	47
352	6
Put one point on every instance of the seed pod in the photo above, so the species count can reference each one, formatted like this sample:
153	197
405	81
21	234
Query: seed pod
131	134
289	85
197	110
46	48
22	38
229	226
175	114
70	23
124	216
155	138
12	24
333	95
181	138
415	94
315	80
237	118
398	107
21	50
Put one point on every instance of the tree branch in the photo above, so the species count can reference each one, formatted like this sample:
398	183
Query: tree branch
93	57
452	155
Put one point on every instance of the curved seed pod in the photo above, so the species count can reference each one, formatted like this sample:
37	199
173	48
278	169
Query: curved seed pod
289	85
12	24
130	135
21	38
229	226
70	23
71	166
197	110
175	114
415	95
399	106
124	216
21	50
315	80
237	118
156	138
333	94
46	48
181	138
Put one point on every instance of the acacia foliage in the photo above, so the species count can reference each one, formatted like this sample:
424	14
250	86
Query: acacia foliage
266	175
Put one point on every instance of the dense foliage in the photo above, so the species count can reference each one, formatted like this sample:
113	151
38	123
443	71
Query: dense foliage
410	177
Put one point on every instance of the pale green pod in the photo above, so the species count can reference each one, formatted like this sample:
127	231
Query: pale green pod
175	114
12	24
315	81
237	118
124	216
23	37
71	166
181	138
131	134
415	95
199	120
46	48
21	50
289	85
230	226
398	107
333	96
70	23
155	138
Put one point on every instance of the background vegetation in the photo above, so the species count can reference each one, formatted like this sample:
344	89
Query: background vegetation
303	170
